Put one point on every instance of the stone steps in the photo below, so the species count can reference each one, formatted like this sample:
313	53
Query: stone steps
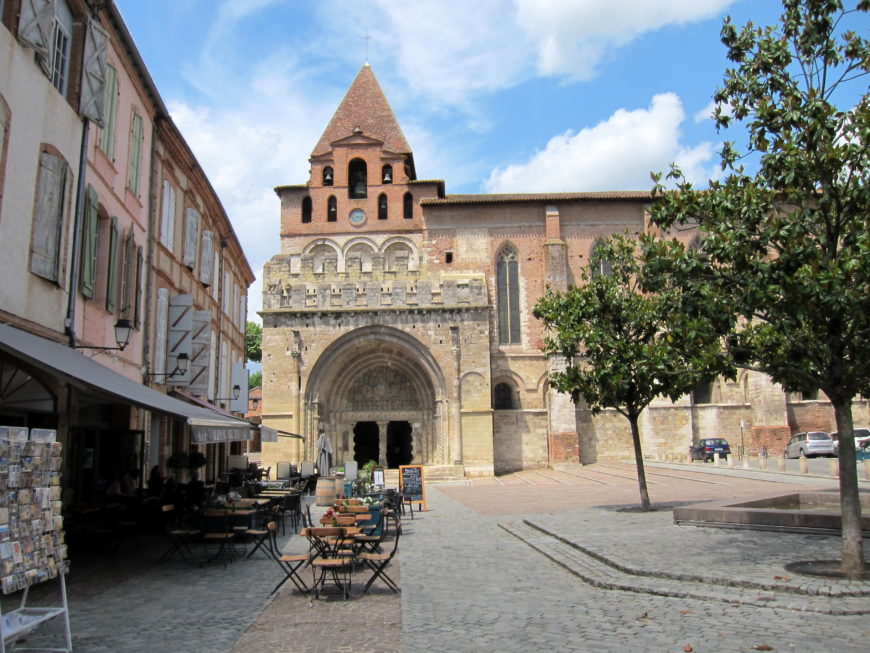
595	570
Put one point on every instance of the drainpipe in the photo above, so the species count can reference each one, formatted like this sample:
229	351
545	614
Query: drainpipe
75	265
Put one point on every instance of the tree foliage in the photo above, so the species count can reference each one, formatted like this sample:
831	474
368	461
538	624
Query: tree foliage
255	380
623	345
786	246
253	341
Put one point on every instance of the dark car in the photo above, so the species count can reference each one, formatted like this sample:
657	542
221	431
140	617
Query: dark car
707	447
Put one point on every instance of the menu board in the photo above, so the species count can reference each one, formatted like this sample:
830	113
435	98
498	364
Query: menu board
32	544
411	484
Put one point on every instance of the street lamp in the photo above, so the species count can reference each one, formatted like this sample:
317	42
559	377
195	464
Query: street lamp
123	331
182	361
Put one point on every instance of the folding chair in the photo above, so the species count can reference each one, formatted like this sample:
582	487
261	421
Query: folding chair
179	538
334	556
290	563
378	562
372	543
260	537
217	530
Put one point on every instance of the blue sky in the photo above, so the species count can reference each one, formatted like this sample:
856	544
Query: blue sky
492	95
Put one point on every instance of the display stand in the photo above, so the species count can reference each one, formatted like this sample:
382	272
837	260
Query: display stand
32	543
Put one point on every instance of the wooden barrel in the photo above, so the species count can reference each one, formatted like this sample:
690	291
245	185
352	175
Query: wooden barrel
339	486
325	493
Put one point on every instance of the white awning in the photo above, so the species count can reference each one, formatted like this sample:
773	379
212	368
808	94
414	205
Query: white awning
86	374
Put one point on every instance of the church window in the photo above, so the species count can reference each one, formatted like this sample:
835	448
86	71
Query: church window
703	393
331	210
306	210
508	293
387	174
408	206
448	257
327	176
357	182
503	397
382	206
598	263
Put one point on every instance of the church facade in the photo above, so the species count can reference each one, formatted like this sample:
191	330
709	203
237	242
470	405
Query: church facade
397	320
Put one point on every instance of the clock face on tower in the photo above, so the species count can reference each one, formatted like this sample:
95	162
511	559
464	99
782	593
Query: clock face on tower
357	217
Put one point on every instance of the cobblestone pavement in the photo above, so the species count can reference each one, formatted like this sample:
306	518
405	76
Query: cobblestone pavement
469	583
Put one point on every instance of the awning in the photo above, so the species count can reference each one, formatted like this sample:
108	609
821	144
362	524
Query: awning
271	435
86	374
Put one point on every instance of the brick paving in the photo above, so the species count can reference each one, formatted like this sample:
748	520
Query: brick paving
469	583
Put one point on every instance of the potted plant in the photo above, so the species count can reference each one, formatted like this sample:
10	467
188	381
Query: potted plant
178	460
195	460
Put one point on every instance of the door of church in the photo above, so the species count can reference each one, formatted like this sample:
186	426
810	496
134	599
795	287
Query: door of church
399	444
365	442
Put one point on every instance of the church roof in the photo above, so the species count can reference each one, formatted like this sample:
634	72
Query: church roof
364	107
497	198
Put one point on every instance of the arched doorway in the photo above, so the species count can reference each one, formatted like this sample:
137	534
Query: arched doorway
365	442
400	446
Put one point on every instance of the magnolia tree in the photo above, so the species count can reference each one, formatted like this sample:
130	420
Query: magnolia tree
624	345
786	232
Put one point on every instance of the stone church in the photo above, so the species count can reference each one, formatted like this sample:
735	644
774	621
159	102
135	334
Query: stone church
397	320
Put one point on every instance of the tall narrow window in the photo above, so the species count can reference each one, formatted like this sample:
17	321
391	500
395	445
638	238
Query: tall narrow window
503	397
167	215
408	206
51	200
129	277
112	267
306	210
508	294
382	206
61	42
328	177
137	133
107	138
331	209
91	219
599	264
357	180
387	174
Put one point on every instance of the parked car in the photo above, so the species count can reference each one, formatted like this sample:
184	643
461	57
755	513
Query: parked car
706	447
811	443
862	435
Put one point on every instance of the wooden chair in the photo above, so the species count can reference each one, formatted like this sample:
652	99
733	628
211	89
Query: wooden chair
179	536
372	543
262	541
331	545
290	563
217	530
378	562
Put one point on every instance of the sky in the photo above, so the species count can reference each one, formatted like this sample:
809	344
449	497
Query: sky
492	95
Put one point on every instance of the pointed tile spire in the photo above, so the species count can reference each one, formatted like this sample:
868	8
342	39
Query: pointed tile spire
364	110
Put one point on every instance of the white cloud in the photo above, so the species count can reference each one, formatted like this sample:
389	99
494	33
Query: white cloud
707	112
618	153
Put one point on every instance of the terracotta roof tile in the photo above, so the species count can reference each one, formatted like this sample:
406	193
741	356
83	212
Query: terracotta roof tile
496	198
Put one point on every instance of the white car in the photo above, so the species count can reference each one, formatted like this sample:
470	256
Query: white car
862	435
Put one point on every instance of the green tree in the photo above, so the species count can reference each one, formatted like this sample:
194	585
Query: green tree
255	380
623	346
787	247
253	341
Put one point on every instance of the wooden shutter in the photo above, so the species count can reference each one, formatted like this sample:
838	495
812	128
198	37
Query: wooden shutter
167	216
107	138
128	279
112	271
161	334
35	28
137	315
48	221
136	136
94	73
191	237
205	255
199	359
179	341
89	243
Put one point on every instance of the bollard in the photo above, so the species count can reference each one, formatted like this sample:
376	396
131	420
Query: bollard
804	468
833	467
867	468
731	460
745	461
780	464
716	458
762	463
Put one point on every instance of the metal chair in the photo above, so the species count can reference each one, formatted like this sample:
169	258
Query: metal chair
290	563
378	562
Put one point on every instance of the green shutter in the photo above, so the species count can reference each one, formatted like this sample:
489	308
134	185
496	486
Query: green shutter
89	243
107	140
136	133
112	270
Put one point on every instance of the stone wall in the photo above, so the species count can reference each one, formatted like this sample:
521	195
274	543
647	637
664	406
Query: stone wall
520	440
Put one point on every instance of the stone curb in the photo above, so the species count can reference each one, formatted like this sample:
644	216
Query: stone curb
599	571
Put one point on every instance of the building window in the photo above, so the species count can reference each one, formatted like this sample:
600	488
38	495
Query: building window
129	277
331	209
91	219
60	46
137	133
387	174
107	138
503	397
357	180
306	210
51	200
112	267
703	393
328	176
408	206
598	264
382	206
508	294
167	215
448	257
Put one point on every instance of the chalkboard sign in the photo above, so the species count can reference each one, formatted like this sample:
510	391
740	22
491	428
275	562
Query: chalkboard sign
411	484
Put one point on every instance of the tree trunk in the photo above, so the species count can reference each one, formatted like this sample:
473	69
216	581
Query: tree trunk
638	459
850	503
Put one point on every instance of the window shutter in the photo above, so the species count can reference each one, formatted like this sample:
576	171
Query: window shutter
128	279
179	341
35	29
191	237
206	254
112	271
137	314
107	138
136	134
48	221
94	73
162	332
199	359
212	364
89	243
167	215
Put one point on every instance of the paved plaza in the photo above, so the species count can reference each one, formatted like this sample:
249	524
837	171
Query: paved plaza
554	560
